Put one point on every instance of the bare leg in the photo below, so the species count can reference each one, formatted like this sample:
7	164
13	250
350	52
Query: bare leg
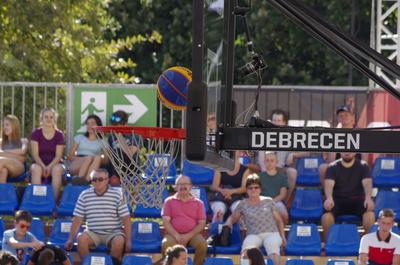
96	162
87	161
368	220
36	172
56	173
3	174
117	247
327	220
275	258
292	176
84	244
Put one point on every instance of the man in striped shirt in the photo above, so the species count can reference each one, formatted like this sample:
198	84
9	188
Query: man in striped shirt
107	218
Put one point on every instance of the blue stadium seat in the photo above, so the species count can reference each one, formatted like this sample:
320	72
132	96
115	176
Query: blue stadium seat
149	212
1	230
146	237
340	262
303	240
235	244
307	171
388	199
60	232
200	175
189	261
218	261
386	172
299	262
136	259
69	198
395	229
97	259
158	162
39	200
343	240
8	199
268	262
307	206
37	229
200	193
347	218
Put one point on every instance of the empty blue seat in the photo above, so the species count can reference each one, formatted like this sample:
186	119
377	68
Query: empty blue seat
158	163
395	229
303	240
1	230
235	242
200	175
299	262
343	240
37	229
218	261
69	198
307	206
135	259
60	232
340	262
200	193
388	199
8	199
307	171
97	259
39	200
146	237
149	212
386	172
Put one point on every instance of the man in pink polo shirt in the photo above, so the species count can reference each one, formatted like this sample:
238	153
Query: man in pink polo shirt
184	219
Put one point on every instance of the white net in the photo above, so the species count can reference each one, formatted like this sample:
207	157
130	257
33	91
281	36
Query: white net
143	165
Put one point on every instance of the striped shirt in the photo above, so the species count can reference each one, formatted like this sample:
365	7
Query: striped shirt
103	213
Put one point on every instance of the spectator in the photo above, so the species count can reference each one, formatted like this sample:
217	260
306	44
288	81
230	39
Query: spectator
107	218
127	149
346	120
383	246
6	258
176	255
17	241
13	149
252	256
184	219
348	189
49	255
228	189
85	154
263	222
274	184
285	158
47	144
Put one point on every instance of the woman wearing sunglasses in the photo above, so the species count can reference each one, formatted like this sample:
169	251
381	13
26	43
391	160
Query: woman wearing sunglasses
264	224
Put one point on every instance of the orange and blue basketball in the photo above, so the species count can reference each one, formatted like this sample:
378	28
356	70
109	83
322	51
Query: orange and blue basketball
172	87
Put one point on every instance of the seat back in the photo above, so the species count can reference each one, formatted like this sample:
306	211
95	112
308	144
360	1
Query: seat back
236	237
69	198
386	172
2	228
200	175
97	259
307	199
8	199
145	232
218	261
38	199
60	231
343	240
157	163
299	262
388	199
201	194
37	229
308	171
149	212
137	259
303	240
340	262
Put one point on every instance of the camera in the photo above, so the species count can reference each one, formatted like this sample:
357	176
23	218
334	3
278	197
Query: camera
257	63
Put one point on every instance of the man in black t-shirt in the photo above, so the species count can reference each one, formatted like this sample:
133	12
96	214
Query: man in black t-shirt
49	255
348	189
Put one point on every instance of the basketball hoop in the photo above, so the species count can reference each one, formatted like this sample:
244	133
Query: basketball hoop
141	156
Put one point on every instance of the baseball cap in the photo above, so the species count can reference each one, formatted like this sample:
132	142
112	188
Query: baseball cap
342	108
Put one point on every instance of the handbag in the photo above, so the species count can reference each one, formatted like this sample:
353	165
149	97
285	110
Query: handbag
222	239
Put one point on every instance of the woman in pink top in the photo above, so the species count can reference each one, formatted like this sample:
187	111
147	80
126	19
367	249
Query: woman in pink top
47	144
13	149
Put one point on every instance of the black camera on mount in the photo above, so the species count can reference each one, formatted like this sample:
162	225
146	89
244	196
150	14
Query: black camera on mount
257	63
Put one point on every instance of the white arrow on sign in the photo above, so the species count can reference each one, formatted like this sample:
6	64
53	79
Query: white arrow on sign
135	110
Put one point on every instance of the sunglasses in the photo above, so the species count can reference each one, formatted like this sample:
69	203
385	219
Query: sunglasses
22	226
253	187
115	119
98	179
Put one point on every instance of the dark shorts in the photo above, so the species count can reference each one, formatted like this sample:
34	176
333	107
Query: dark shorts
348	206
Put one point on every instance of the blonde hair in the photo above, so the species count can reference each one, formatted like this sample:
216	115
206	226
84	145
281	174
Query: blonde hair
50	110
15	136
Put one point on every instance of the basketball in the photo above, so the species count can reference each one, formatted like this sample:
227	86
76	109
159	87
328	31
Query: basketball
172	87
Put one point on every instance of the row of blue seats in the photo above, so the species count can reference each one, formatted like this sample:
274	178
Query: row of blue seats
302	239
307	205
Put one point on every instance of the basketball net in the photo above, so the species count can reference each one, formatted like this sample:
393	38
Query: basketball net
142	166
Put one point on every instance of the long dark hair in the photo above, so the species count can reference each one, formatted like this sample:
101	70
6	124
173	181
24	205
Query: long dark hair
173	252
255	256
96	118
